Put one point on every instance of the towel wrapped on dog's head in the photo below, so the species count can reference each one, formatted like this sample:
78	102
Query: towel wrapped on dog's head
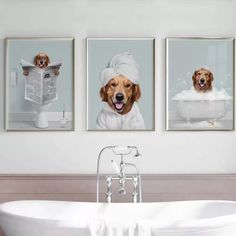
121	64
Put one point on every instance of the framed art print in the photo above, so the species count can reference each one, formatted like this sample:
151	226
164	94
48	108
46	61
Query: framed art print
200	84
120	75
39	84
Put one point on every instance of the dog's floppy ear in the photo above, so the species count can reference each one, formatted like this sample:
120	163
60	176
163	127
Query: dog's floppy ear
48	59
137	92
194	76
211	76
35	59
103	94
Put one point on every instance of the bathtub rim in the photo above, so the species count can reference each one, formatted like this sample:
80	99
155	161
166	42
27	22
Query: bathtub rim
186	226
201	100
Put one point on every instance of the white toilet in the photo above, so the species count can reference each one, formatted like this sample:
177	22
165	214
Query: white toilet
40	90
41	119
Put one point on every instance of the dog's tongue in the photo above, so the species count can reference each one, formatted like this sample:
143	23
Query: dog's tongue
119	106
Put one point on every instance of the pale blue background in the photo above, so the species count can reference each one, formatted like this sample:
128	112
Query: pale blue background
58	50
99	54
187	55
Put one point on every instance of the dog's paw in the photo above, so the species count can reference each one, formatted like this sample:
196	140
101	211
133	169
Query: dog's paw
26	72
56	72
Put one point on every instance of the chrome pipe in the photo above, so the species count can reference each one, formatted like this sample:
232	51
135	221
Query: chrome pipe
98	167
121	171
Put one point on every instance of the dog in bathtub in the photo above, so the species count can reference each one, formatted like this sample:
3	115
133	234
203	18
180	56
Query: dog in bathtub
202	80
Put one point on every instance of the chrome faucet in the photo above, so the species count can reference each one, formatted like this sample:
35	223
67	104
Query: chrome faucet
121	176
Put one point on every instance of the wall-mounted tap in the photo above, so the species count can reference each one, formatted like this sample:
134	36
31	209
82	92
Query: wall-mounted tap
121	175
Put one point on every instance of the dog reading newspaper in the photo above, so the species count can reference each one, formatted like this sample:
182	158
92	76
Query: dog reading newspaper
40	84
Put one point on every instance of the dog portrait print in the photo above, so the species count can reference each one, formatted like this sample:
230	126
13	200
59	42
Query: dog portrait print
200	84
120	91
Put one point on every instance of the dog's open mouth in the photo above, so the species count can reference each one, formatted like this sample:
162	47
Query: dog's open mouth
119	106
202	85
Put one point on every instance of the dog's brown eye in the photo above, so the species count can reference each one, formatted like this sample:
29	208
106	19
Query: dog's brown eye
127	85
113	84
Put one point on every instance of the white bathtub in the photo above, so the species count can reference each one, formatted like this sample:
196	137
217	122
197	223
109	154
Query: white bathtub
199	110
57	218
208	106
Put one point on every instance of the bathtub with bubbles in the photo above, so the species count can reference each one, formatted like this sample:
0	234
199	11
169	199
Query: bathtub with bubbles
197	108
58	218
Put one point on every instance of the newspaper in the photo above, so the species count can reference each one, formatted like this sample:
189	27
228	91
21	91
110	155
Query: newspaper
40	84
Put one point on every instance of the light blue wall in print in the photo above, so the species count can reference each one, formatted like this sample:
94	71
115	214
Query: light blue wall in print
100	52
58	50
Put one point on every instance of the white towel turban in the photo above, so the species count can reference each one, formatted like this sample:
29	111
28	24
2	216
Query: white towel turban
121	64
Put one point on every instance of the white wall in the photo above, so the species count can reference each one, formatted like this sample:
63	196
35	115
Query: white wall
76	152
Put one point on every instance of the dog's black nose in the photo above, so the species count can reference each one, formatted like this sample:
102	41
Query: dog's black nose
119	97
202	80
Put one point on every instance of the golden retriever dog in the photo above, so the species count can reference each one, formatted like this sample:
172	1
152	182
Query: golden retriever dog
202	80
41	60
120	93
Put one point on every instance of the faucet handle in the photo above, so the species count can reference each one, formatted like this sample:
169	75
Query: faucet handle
135	181
109	193
109	179
135	193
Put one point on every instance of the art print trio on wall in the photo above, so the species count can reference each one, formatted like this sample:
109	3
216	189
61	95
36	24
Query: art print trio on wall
39	91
